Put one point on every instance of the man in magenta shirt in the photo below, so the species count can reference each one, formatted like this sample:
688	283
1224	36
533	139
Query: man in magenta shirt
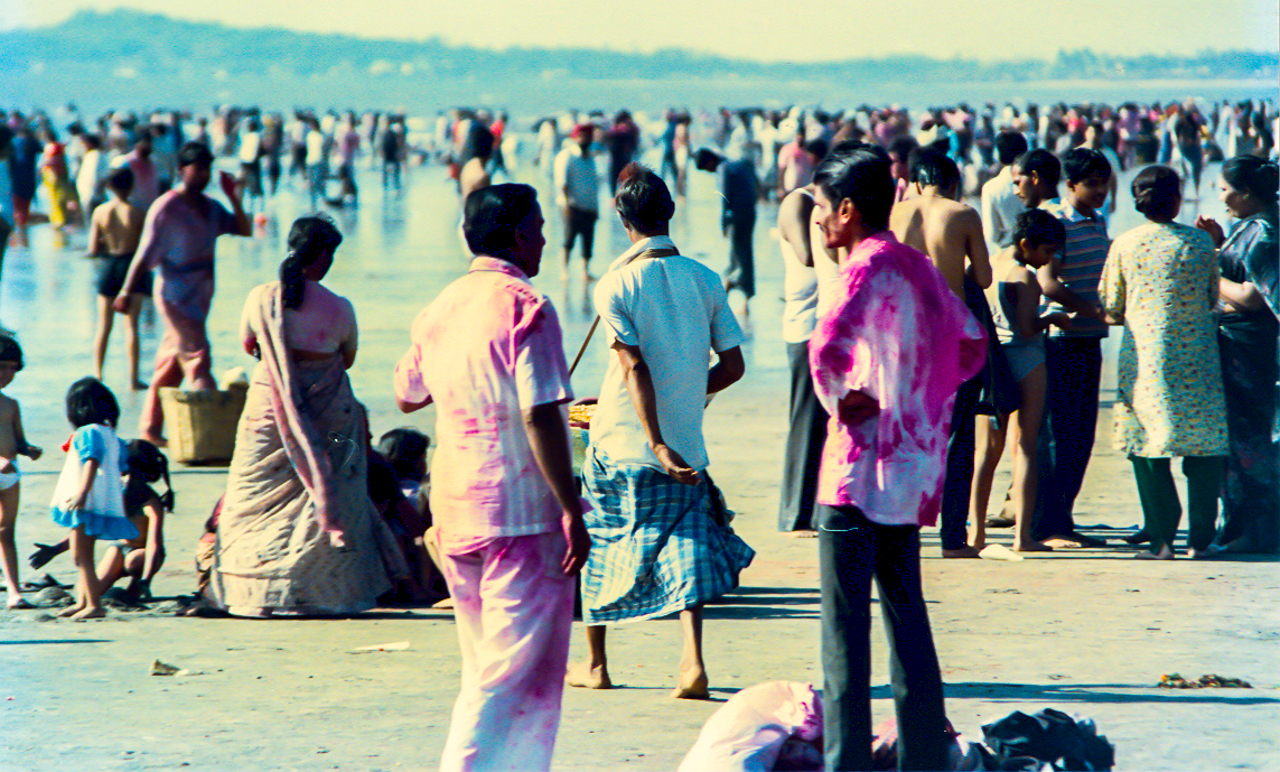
886	358
508	519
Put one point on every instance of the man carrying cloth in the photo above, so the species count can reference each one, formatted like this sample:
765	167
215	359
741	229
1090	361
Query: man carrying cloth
887	359
178	237
511	538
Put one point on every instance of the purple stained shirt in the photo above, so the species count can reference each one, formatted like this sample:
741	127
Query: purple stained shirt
178	243
899	335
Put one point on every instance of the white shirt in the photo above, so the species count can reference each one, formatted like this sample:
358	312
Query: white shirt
576	180
315	148
1000	210
250	146
92	169
676	311
799	292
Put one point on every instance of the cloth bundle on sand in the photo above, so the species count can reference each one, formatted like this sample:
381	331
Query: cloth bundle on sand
1049	739
769	726
298	476
661	550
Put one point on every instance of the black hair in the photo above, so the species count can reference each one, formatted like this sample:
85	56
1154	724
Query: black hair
121	180
92	141
1037	227
479	143
1010	145
310	237
1250	174
1045	164
147	464
10	351
643	200
492	214
932	167
706	160
89	401
1156	191
194	153
1081	163
860	174
817	148
902	146
403	448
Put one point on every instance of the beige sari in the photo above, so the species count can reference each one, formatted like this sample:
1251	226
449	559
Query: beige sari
298	474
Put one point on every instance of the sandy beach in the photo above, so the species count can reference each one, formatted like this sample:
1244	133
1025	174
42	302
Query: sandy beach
1083	631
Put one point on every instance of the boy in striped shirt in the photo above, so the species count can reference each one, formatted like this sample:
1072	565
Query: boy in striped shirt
1073	357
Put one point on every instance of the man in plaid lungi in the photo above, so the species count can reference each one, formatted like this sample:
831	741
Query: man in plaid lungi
657	546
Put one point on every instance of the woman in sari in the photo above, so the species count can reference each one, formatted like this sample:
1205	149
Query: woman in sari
298	534
57	182
1247	339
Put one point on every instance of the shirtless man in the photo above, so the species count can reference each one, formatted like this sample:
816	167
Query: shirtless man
950	233
937	224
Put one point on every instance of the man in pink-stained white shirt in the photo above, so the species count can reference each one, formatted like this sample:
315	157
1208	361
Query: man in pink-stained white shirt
887	358
508	520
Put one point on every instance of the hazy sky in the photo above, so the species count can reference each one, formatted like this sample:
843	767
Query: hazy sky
770	30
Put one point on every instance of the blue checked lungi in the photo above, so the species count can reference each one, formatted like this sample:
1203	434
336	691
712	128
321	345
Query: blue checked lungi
655	548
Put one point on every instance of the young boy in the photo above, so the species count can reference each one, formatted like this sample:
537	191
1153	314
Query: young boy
1073	358
13	443
114	236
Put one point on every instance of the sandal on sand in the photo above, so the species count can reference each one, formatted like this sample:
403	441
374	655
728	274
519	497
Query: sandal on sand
1000	522
20	604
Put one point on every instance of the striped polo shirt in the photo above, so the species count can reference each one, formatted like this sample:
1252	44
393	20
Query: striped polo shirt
1080	264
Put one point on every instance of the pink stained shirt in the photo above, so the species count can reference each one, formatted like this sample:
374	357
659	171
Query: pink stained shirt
899	335
795	166
178	243
486	351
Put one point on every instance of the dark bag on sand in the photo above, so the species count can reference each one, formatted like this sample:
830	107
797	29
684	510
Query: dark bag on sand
1026	742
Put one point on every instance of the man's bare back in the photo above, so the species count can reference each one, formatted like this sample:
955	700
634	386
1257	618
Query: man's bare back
948	232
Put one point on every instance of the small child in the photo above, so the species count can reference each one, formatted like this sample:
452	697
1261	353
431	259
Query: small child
1014	298
113	237
406	450
140	559
13	443
89	496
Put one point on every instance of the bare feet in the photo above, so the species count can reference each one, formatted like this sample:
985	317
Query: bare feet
1164	554
693	686
1031	546
17	603
962	552
1074	541
588	677
978	542
71	610
89	612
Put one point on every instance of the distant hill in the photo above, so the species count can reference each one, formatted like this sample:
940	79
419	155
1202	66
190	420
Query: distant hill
155	59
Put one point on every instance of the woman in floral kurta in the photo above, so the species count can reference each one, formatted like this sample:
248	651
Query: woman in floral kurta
1161	282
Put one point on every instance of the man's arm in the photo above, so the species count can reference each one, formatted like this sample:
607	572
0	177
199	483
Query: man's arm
794	214
728	370
409	407
976	248
640	386
1058	292
548	437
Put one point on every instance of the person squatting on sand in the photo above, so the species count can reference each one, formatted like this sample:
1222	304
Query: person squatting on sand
509	524
659	543
887	360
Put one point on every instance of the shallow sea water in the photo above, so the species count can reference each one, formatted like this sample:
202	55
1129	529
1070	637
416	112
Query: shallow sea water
399	250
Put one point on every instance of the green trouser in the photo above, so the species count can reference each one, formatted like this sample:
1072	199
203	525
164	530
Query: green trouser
1159	496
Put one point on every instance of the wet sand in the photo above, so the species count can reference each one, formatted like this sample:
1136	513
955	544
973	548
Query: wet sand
1085	631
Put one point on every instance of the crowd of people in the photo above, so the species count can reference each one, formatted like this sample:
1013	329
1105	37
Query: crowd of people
919	329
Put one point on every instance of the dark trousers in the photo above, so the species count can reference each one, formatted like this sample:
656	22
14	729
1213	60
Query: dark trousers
742	262
1073	367
851	550
1159	497
959	480
805	439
